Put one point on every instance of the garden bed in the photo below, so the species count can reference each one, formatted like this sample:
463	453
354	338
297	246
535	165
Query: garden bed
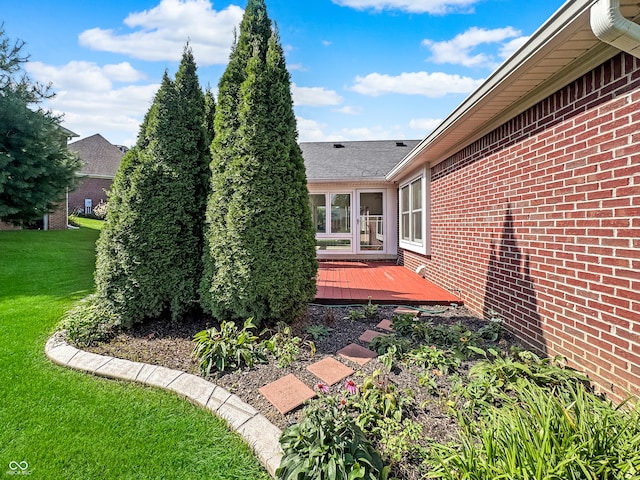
170	345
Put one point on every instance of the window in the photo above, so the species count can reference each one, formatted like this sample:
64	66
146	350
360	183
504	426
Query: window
331	216
411	212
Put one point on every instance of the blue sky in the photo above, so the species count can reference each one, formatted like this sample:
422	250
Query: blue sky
360	69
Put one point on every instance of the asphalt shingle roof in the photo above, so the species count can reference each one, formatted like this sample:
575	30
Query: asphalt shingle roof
362	160
99	157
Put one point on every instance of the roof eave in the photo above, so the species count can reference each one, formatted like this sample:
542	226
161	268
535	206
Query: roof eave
570	13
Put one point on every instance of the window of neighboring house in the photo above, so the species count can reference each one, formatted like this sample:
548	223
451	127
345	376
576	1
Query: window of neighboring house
413	199
88	206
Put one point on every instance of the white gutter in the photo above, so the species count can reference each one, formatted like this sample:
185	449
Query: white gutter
610	26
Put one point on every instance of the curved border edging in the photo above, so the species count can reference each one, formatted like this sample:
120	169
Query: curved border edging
261	435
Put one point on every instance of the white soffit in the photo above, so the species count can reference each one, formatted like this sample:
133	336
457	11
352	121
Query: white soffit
560	51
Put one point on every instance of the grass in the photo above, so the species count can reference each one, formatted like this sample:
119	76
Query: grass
68	425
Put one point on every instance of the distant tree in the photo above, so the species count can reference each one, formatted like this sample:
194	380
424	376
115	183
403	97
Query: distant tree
260	248
36	168
209	115
150	250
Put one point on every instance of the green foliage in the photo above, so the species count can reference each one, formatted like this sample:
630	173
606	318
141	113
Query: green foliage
433	358
283	345
543	434
355	314
377	399
489	379
227	347
36	168
370	310
260	255
382	343
149	252
90	321
398	440
492	330
328	444
318	331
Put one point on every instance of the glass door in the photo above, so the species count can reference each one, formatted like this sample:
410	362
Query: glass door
371	227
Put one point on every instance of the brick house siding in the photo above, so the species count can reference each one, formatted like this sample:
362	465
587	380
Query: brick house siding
539	220
93	188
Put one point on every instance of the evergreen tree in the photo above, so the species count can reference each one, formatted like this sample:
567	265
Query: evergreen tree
260	250
150	250
36	168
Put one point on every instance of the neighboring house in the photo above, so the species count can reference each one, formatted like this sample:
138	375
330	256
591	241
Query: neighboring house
526	199
354	208
100	162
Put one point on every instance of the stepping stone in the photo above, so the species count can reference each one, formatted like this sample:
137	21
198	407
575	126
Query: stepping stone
330	370
385	325
369	335
357	354
287	393
403	311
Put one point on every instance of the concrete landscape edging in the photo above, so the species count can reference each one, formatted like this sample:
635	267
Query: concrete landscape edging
261	435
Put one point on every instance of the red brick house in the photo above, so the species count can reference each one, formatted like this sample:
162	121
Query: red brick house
526	199
100	163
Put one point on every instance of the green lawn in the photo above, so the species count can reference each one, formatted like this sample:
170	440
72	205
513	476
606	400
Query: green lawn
68	425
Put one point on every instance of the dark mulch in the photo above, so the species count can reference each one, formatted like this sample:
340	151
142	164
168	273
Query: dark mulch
170	345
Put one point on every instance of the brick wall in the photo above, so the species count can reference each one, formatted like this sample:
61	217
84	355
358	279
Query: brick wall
540	221
93	188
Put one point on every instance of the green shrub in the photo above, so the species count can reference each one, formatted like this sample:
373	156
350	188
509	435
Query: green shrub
382	343
90	321
433	358
227	347
327	444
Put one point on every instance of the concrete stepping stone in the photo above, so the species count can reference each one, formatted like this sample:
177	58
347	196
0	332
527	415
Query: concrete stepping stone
287	393
330	370
357	354
404	311
386	324
369	335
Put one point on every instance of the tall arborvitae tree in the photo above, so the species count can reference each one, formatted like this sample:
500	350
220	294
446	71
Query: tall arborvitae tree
150	250
260	252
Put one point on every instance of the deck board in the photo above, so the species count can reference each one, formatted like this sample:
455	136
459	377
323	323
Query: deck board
355	282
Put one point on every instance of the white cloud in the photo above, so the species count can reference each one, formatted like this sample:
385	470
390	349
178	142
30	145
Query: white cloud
432	85
459	49
349	110
314	96
161	32
413	6
86	96
311	130
510	47
424	124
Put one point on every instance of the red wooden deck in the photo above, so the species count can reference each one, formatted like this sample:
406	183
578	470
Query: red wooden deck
384	283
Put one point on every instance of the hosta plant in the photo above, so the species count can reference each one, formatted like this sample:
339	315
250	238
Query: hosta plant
227	347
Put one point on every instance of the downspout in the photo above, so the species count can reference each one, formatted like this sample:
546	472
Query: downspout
610	26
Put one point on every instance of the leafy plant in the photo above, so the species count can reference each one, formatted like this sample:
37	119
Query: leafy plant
227	347
377	399
90	321
564	434
355	314
403	324
490	378
399	439
370	310
382	343
327	444
283	345
491	331
455	337
318	332
433	358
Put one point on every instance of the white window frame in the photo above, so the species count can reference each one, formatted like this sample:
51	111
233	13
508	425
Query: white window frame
421	246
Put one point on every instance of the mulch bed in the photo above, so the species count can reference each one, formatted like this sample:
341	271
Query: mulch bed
170	345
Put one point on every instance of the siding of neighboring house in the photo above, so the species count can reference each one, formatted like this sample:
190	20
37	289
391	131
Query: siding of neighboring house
93	188
540	221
